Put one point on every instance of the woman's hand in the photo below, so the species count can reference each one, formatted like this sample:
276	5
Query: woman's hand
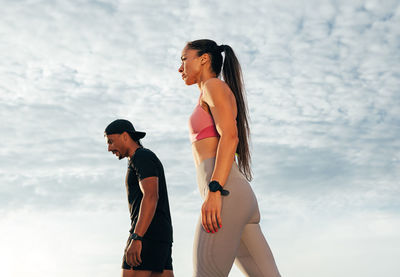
211	212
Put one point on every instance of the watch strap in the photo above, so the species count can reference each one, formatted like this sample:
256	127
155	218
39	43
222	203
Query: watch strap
216	186
135	236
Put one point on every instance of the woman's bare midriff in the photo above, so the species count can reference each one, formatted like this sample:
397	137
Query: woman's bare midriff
204	149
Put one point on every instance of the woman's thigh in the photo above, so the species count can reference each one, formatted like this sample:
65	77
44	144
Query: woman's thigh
214	253
254	256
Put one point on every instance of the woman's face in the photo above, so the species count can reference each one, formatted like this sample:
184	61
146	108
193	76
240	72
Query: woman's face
191	66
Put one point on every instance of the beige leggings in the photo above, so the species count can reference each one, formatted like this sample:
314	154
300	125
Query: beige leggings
240	239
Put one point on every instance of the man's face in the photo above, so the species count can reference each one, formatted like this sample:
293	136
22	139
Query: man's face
117	145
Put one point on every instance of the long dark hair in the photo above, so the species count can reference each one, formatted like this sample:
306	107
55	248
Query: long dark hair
232	75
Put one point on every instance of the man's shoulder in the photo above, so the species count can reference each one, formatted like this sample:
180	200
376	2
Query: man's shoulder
143	154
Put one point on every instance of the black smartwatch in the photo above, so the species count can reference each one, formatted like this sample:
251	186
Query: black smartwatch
135	236
215	186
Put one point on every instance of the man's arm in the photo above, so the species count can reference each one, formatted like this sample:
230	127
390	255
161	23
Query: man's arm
149	188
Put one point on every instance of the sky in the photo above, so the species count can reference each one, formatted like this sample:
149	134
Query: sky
322	80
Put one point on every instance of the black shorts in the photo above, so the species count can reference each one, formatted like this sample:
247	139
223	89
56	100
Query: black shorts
156	256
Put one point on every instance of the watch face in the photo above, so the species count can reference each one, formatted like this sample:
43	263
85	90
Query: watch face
135	236
213	186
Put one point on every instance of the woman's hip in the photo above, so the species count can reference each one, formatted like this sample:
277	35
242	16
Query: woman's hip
241	195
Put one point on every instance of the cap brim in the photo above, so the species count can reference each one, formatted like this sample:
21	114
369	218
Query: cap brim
138	135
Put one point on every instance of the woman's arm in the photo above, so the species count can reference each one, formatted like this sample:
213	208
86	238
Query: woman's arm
218	97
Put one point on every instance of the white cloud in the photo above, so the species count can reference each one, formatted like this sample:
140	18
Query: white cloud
322	81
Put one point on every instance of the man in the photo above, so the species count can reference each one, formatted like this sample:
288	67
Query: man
149	246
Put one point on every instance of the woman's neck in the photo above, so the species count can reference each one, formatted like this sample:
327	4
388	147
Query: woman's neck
204	78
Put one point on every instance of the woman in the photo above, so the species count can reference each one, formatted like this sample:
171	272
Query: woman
228	228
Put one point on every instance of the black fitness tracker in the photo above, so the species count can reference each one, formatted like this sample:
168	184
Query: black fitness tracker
215	186
135	236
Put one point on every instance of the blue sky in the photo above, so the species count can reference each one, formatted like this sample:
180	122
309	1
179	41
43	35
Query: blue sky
322	81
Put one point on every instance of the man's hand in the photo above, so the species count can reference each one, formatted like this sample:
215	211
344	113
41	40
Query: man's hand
133	253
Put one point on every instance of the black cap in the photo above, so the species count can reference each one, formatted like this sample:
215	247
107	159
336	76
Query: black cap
122	125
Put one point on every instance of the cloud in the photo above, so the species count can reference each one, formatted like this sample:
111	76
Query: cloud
322	83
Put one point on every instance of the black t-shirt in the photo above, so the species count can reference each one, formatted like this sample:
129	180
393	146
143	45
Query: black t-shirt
144	163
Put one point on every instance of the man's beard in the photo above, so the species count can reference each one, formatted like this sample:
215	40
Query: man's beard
120	156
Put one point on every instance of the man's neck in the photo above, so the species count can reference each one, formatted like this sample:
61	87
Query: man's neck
132	150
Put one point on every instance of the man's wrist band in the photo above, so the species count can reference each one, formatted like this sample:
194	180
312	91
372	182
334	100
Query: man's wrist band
135	236
215	186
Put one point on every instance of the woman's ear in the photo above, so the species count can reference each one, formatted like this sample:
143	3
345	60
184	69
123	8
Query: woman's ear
204	58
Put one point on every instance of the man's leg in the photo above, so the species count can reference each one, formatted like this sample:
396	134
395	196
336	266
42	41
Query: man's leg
165	273
136	273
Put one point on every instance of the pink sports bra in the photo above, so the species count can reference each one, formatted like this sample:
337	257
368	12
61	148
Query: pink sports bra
201	124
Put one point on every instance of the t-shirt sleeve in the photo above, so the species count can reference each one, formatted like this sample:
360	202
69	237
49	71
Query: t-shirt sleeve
145	166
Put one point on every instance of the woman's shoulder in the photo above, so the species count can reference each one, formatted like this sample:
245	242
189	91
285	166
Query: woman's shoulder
214	86
214	83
